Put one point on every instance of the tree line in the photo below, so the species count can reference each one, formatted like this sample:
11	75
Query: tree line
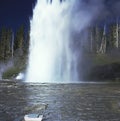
12	44
100	40
104	39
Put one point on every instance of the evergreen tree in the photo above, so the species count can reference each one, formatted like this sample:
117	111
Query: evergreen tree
98	38
26	42
7	43
5	38
19	40
2	42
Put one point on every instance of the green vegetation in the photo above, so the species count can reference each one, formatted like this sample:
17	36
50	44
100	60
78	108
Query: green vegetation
11	73
103	59
101	46
14	46
19	66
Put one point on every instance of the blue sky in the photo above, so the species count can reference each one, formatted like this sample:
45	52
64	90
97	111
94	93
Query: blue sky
13	13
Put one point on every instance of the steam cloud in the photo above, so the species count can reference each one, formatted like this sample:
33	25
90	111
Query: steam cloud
70	18
5	66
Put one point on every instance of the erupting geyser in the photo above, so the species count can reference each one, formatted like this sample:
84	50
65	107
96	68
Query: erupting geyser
51	58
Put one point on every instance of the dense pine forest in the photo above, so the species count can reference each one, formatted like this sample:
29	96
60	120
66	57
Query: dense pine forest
13	51
100	39
13	43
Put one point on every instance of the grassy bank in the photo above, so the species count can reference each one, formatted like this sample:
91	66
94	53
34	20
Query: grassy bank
18	66
103	59
93	66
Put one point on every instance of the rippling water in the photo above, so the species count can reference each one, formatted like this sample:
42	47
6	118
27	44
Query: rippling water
60	102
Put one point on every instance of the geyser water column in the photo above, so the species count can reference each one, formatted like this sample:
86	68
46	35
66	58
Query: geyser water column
50	57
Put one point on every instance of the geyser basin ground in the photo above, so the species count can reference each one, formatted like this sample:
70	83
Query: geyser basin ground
65	102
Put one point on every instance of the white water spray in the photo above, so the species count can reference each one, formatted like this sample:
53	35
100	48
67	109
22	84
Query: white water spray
51	58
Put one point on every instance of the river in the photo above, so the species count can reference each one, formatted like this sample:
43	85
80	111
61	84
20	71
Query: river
60	102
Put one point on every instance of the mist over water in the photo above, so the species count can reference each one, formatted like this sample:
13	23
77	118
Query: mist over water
52	56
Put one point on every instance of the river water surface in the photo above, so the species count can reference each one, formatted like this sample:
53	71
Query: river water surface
60	102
